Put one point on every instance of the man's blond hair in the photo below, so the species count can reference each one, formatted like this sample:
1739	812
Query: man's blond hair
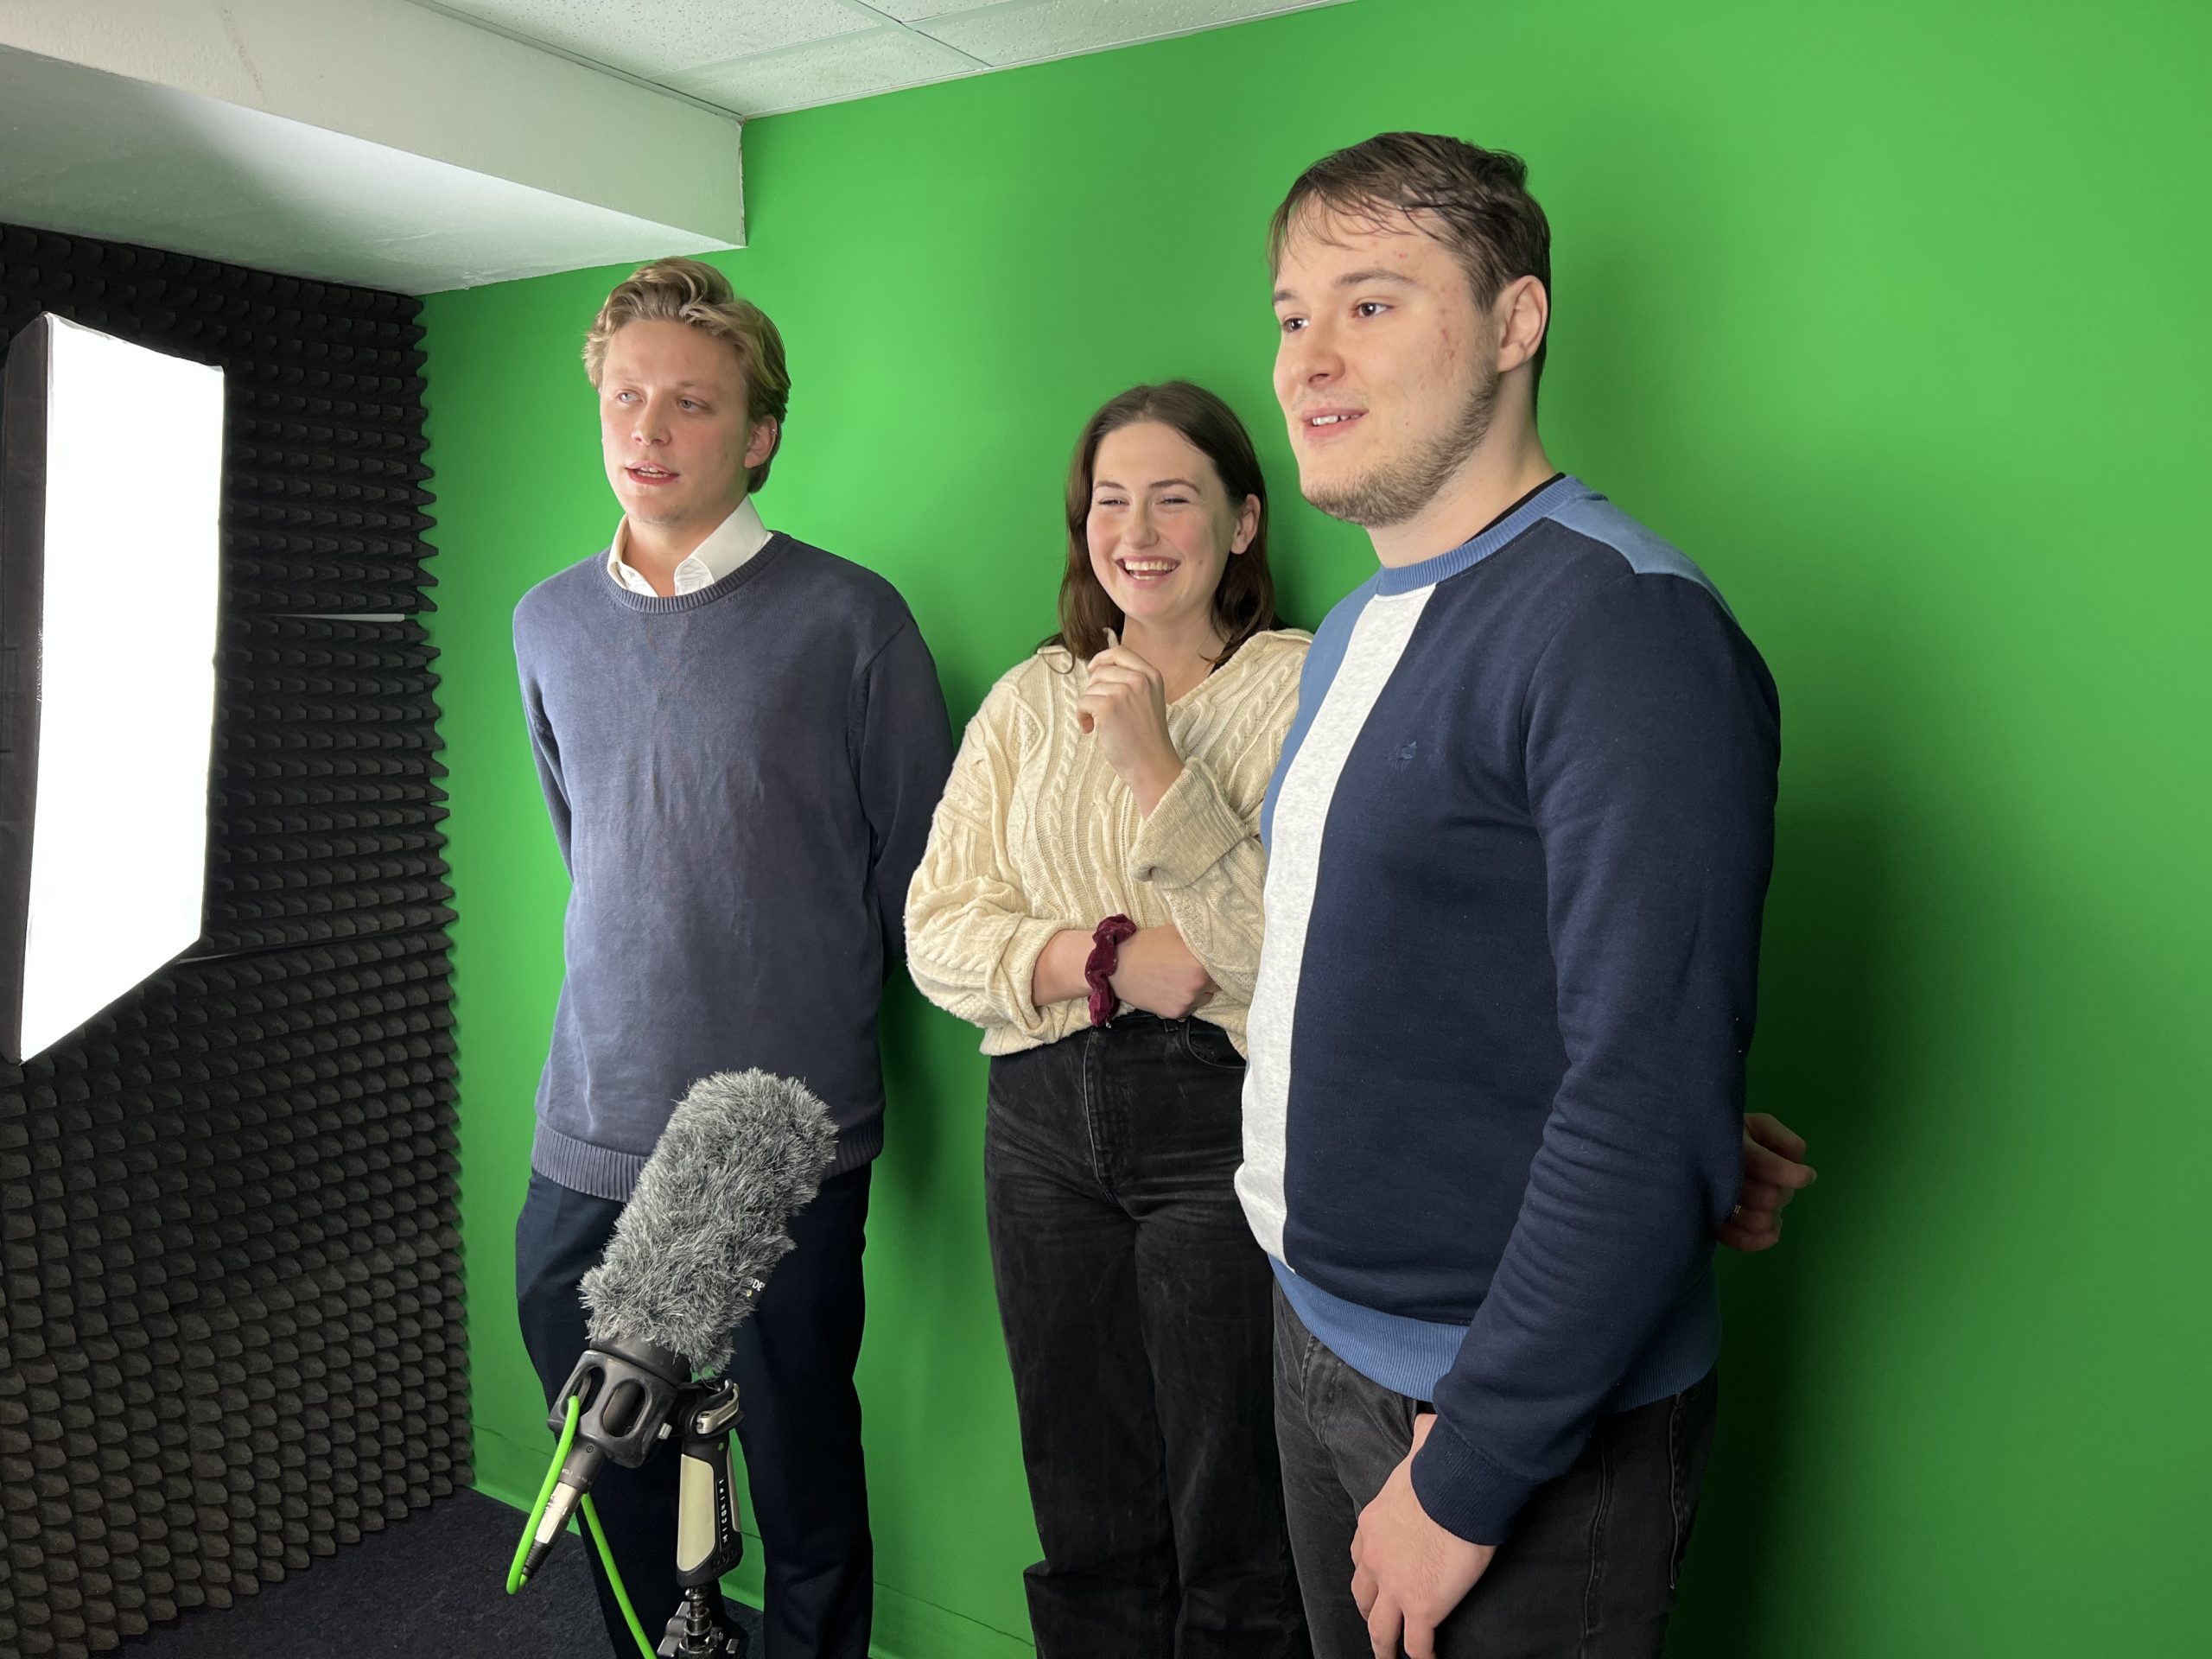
697	294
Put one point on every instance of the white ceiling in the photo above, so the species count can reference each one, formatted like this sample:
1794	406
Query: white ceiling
429	144
765	57
111	156
362	141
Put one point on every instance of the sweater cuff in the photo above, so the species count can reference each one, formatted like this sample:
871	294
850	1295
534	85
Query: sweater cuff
1464	1493
1018	962
1191	829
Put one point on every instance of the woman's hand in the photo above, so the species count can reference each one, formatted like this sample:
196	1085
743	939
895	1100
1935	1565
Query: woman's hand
1775	1172
1058	976
1155	972
1125	707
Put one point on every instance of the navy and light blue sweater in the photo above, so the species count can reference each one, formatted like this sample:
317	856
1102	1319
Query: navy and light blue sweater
741	780
1518	846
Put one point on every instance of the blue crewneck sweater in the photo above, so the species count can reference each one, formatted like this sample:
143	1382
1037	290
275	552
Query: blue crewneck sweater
1518	848
740	779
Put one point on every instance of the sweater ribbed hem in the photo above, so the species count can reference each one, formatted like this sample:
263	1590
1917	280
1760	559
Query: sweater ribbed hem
603	1173
859	1145
598	1172
1406	1355
1465	1490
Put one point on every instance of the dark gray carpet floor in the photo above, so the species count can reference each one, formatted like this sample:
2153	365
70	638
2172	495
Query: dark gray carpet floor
432	1586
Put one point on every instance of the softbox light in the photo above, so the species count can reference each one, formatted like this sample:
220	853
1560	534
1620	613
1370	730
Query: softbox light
111	487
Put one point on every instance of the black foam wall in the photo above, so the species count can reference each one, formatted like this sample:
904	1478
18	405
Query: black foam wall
230	1320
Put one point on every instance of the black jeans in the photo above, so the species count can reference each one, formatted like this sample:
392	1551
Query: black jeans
801	1430
1589	1569
1136	1311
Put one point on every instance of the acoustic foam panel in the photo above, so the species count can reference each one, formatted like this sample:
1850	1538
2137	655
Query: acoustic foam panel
231	1330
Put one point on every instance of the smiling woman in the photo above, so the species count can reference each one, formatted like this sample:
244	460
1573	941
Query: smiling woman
1165	474
1091	898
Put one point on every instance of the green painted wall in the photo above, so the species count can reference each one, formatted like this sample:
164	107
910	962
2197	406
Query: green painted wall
1894	317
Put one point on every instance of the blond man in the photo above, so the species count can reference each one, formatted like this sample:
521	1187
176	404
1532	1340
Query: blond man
741	739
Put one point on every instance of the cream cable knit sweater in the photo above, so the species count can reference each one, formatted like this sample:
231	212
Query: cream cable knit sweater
1036	833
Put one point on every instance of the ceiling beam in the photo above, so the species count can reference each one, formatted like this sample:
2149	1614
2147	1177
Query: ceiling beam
439	105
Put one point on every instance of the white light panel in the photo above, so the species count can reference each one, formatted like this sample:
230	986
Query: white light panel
127	455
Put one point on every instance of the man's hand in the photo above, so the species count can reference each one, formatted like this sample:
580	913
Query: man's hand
1124	707
1409	1572
1154	970
1774	1173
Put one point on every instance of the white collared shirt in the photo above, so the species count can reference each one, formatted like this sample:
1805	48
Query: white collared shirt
730	544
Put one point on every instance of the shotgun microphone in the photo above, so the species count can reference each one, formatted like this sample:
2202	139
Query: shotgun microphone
743	1152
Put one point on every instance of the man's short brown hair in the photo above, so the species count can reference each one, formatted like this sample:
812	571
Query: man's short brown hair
687	292
1477	199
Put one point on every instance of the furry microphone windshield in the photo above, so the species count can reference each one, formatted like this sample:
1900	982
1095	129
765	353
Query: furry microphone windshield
743	1153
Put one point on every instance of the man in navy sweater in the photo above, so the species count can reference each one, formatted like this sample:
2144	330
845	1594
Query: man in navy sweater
741	740
1519	842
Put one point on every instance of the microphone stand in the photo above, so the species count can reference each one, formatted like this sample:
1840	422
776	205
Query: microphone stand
708	1542
631	1399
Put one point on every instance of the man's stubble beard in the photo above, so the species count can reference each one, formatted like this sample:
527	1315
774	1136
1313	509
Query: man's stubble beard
1397	490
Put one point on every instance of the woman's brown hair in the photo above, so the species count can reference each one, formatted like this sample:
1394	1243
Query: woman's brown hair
1244	603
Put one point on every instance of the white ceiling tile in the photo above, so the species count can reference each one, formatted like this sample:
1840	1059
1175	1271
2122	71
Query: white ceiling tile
1003	35
654	41
853	67
915	11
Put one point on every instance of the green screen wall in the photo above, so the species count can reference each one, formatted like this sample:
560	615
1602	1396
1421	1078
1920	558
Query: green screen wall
1893	317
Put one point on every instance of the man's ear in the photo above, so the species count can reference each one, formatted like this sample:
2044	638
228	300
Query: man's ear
761	444
1522	311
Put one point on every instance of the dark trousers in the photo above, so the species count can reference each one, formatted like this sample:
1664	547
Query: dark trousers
1137	1320
801	1430
1589	1569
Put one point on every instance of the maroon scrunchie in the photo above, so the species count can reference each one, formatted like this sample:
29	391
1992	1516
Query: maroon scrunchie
1105	956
